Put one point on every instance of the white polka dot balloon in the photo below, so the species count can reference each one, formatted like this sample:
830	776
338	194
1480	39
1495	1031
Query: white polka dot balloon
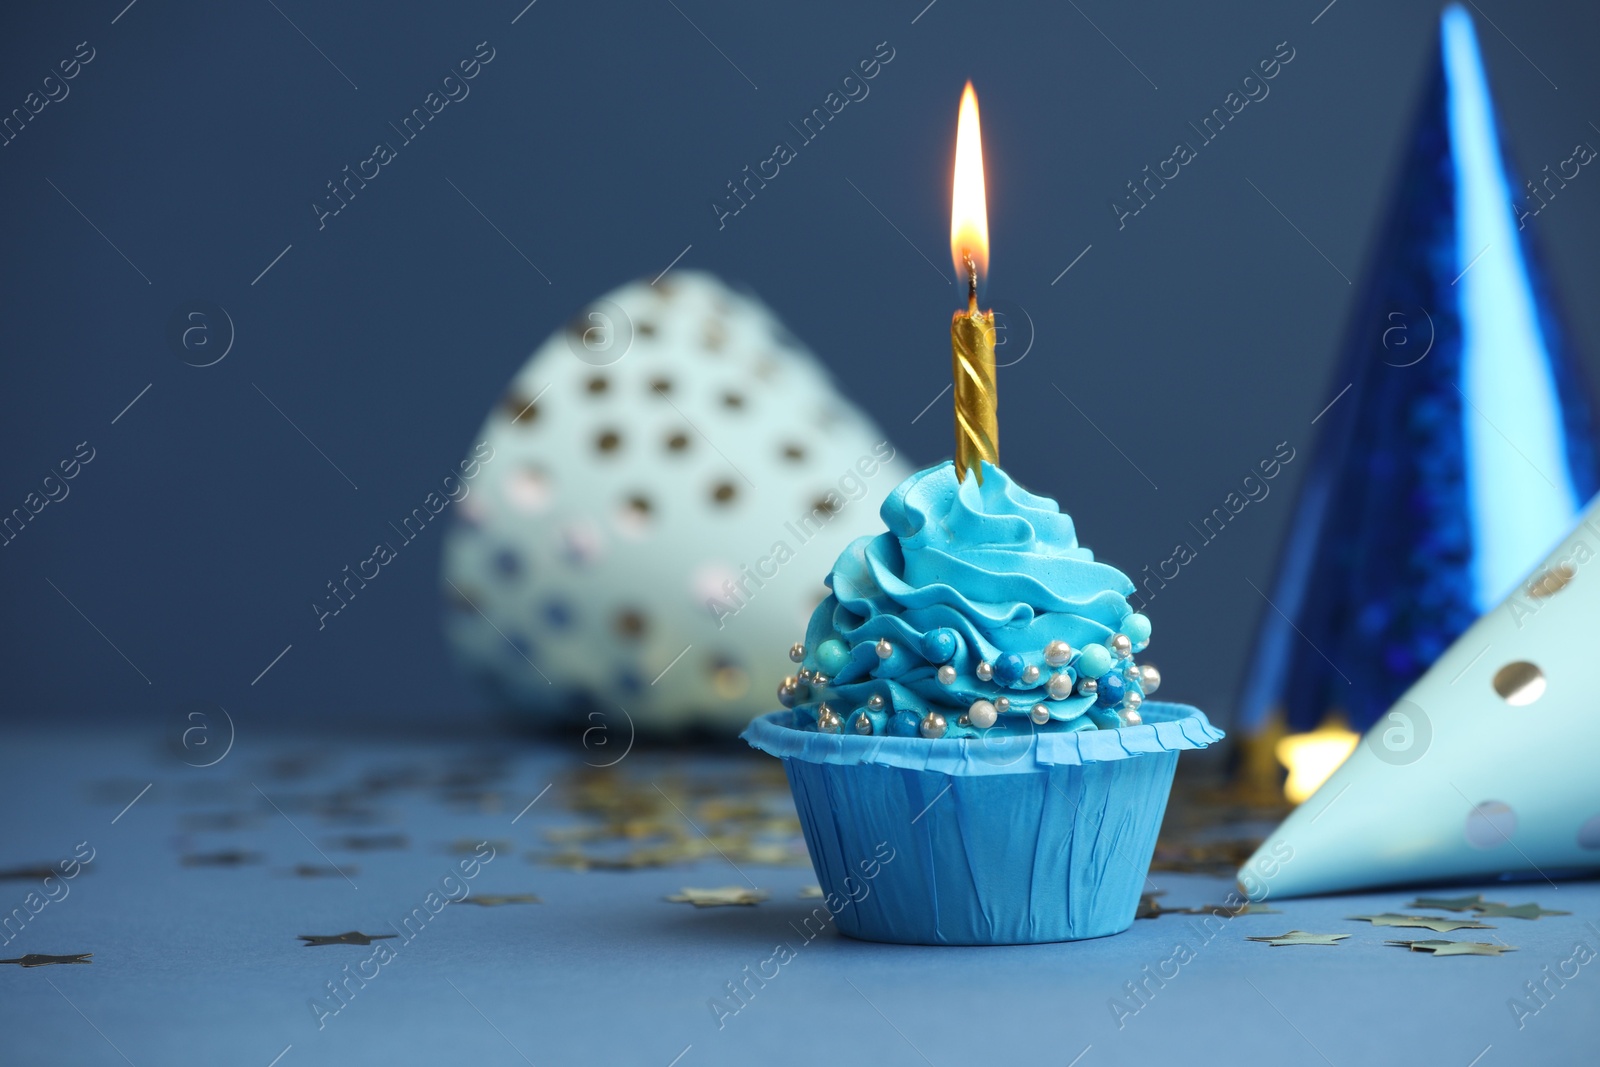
671	477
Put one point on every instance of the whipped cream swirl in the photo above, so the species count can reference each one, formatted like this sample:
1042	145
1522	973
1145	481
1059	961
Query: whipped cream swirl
976	610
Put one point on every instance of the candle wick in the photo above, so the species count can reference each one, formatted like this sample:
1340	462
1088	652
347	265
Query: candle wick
972	283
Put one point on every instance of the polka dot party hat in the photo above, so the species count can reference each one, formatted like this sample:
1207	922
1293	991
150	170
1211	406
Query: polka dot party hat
1486	766
667	479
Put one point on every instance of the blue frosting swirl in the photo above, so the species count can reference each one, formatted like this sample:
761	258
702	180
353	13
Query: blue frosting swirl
969	574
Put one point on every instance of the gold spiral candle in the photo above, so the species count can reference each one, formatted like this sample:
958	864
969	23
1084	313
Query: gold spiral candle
972	358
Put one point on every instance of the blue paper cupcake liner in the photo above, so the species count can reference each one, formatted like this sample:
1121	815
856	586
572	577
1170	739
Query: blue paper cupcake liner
1034	838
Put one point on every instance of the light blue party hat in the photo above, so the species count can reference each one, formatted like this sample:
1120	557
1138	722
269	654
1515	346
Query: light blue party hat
1485	766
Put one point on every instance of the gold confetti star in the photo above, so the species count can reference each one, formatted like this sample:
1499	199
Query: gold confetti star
1300	937
351	937
726	896
1424	922
29	874
1233	911
1455	948
312	870
228	858
1520	911
33	959
1149	907
372	842
495	900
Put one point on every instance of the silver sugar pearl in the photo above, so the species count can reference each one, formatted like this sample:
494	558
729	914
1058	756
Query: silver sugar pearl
1149	679
1057	653
1040	714
818	678
1088	686
797	651
933	726
947	675
789	692
805	675
863	723
1002	704
1131	700
1059	686
1120	646
1131	718
828	721
875	702
1030	675
982	714
884	648
985	672
963	721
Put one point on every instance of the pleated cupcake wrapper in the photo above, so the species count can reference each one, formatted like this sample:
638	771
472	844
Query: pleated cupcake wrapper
950	842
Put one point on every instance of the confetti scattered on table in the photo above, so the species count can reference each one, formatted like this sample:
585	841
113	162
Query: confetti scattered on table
1300	937
495	900
1455	948
726	896
1486	909
814	892
1424	922
667	822
1233	911
33	959
1151	908
1530	910
350	938
1212	830
314	870
466	846
372	842
228	858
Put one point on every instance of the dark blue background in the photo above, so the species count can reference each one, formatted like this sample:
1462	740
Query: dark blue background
1197	338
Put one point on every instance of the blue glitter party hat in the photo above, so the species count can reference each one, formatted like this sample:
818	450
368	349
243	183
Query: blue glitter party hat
1457	447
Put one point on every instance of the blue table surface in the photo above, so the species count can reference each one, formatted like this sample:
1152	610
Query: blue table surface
201	964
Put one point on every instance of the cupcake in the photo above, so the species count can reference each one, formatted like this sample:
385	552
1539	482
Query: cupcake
968	703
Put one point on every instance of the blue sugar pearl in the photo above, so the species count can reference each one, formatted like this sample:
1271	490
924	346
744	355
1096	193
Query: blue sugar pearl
1093	661
1103	718
1137	627
905	724
1109	693
1008	667
832	655
939	646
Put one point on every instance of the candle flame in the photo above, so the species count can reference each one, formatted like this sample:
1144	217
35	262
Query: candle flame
969	212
